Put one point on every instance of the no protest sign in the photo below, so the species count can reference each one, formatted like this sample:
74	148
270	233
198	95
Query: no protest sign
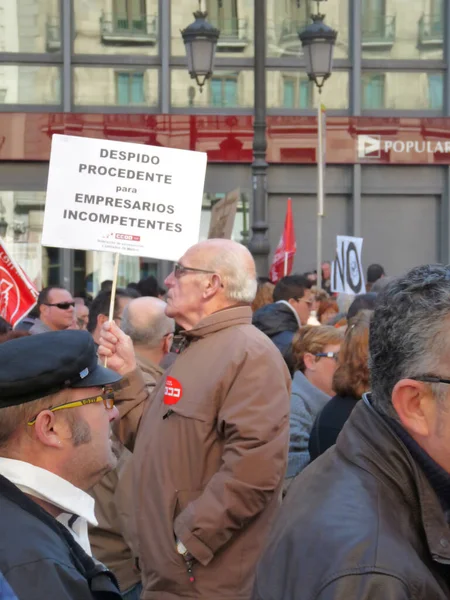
120	197
347	275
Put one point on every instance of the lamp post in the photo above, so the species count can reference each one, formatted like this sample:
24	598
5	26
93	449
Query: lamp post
200	39
259	244
318	42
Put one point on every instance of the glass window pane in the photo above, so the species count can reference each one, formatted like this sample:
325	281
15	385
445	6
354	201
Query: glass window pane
285	19
115	87
373	91
224	89
435	91
402	91
116	27
234	19
288	93
30	26
29	84
304	95
402	30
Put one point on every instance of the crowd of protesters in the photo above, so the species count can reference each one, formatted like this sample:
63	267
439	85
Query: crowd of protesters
262	456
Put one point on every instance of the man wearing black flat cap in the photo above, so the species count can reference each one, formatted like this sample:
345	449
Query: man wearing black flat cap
56	409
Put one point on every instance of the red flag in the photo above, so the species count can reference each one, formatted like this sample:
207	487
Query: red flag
285	252
17	294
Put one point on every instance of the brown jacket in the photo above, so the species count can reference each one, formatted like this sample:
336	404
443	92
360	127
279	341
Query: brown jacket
210	459
111	541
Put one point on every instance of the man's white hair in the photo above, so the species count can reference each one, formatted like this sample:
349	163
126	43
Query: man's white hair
236	267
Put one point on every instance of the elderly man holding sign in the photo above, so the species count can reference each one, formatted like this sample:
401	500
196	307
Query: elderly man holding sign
211	450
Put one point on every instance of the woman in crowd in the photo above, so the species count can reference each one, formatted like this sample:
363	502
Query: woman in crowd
326	311
264	294
350	382
315	351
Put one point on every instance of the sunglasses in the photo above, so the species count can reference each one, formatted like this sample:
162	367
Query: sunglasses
107	398
62	305
179	270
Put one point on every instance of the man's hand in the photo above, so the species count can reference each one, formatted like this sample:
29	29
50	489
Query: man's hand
117	347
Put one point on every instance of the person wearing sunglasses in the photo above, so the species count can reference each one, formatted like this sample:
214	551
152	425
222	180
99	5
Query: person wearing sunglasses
56	308
56	410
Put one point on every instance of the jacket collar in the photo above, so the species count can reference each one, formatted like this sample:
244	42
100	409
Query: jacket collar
302	387
222	319
286	303
369	442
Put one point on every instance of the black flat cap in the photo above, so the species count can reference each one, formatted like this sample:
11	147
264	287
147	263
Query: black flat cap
35	366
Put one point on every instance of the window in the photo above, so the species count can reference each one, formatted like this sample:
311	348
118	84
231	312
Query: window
435	91
373	15
130	88
224	17
373	91
296	93
130	15
224	91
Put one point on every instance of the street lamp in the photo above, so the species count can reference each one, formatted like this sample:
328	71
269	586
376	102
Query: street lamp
318	42
200	39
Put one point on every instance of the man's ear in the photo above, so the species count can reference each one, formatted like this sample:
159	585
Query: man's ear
101	319
415	406
292	301
310	361
213	286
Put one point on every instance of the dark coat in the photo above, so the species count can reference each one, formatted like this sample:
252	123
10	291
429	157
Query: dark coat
361	522
329	423
278	322
40	559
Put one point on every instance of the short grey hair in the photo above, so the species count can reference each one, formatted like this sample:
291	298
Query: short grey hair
409	333
149	331
239	284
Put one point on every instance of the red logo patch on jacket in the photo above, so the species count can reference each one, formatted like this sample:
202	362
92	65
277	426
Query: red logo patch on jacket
173	391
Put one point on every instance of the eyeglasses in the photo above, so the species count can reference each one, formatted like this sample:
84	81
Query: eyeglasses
179	270
62	305
334	355
107	398
430	379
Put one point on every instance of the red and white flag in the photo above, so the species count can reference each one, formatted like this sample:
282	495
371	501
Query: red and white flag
17	294
283	259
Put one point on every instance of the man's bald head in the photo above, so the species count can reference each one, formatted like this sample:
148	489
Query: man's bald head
233	262
145	321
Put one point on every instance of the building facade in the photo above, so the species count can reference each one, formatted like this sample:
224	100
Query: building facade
116	69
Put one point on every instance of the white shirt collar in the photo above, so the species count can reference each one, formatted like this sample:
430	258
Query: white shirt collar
45	485
292	308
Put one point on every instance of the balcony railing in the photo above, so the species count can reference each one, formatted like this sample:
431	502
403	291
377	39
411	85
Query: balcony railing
431	30
138	30
53	34
233	33
381	31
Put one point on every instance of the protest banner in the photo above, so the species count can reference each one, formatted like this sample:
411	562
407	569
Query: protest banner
17	294
223	214
283	259
346	271
124	198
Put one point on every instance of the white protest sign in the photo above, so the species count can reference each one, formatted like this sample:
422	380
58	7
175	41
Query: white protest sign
346	271
120	197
